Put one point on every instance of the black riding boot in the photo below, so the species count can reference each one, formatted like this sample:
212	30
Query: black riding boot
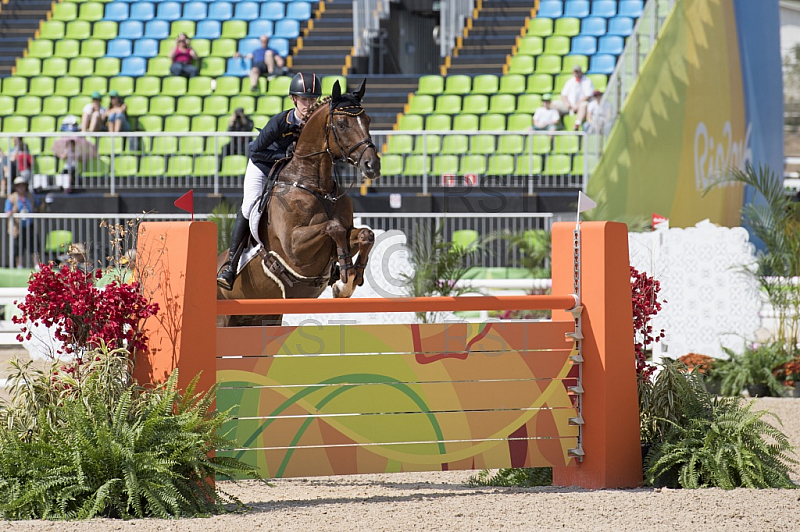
227	275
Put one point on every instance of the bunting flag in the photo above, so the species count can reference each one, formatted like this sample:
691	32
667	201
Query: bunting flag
186	202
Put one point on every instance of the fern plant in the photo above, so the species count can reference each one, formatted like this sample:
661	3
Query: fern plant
527	477
753	367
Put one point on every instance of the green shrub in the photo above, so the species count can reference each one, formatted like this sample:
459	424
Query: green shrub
753	367
523	477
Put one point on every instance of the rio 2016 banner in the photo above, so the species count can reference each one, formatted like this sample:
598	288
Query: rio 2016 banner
709	98
325	400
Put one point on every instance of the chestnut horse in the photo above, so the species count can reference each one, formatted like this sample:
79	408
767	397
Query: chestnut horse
307	222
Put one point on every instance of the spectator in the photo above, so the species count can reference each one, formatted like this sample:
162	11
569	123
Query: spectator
18	162
70	169
117	114
575	96
94	115
21	201
77	258
238	122
596	114
70	124
546	118
265	59
183	58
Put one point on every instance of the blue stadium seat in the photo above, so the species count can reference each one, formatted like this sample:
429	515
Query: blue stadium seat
584	45
145	48
287	29
602	64
143	11
239	67
220	11
208	29
298	11
604	8
260	27
157	29
195	11
119	48
133	67
576	8
280	45
116	11
594	26
622	26
130	29
246	11
610	44
246	46
630	8
273	11
169	11
550	9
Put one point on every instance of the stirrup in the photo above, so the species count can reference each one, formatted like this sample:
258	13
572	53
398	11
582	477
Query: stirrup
226	277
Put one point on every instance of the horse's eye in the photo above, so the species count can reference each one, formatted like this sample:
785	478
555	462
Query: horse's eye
342	124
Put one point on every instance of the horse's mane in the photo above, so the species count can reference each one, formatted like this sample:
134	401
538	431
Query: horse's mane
314	108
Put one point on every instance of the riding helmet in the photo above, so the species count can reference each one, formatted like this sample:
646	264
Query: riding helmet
305	86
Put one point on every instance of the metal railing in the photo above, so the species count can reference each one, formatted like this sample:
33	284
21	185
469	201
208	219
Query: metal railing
629	64
452	19
367	15
428	160
48	235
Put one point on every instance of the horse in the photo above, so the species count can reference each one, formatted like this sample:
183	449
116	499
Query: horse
307	222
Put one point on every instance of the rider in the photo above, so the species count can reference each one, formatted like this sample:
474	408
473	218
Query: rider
276	141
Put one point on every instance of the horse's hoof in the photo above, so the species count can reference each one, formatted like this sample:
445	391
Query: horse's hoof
336	290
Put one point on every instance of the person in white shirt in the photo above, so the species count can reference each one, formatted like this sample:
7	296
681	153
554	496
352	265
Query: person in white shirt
94	115
546	118
575	96
596	114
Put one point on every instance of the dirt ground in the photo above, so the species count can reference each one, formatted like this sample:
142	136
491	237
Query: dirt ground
443	501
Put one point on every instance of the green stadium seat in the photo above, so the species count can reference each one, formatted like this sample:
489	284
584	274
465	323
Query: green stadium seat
571	61
485	84
126	166
191	146
215	105
55	106
600	81
482	144
150	123
401	144
420	104
223	48
455	144
465	122
180	165
177	123
107	145
52	30
15	86
28	67
91	11
329	81
473	164
528	165
29	105
540	144
152	166
174	86
43	124
567	26
458	84
34	146
278	86
46	164
95	48
577	165
203	123
98	167
11	124
404	123
122	84
81	67
248	103
475	104
531	45
137	105
222	122
182	26
566	144
510	144
431	84
557	165
233	165
94	84
199	86
234	29
148	86
529	103
162	105
189	105
540	27
548	64
40	48
437	123
445	164
417	165
512	84
427	144
519	121
269	105
103	29
212	66
493	122
259	121
557	45
64	12
559	82
55	67
68	86
57	241
449	104
521	64
205	165
77	103
540	83
391	165
159	66
107	66
502	103
228	86
500	165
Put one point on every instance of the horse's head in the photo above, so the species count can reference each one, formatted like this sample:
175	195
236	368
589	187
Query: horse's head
348	134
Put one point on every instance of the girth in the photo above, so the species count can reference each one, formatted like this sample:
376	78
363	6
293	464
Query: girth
294	286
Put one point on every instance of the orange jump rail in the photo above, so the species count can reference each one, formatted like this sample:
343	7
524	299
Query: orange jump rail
239	307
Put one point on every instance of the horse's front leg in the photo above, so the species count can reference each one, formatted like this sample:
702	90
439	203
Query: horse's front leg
361	241
338	234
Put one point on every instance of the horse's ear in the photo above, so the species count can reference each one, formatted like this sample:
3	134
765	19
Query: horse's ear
336	92
361	90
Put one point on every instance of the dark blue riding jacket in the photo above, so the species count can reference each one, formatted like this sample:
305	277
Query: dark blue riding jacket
281	131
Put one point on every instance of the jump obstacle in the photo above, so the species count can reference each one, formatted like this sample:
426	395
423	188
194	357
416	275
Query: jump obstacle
344	399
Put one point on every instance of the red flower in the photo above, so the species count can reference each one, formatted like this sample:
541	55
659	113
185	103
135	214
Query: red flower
644	294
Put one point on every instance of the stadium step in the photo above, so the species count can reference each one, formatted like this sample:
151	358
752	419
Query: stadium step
327	40
386	96
19	20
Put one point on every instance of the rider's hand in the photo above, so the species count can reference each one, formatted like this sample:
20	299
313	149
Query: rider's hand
290	150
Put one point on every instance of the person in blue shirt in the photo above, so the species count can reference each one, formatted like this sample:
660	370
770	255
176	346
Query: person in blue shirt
265	61
21	230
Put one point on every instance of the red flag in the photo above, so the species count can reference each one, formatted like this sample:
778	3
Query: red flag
186	202
659	221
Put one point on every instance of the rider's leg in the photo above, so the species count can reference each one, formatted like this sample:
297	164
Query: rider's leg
253	186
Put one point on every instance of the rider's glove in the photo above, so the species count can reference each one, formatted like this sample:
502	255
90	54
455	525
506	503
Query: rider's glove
290	150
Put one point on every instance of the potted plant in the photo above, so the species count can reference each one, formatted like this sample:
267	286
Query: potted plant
704	365
752	370
789	374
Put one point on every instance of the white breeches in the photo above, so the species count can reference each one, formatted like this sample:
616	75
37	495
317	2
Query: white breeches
253	186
